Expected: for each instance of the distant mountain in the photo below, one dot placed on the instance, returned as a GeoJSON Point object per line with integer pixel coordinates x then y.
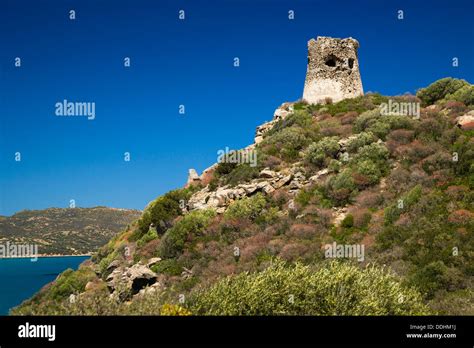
{"type": "Point", "coordinates": [65, 231]}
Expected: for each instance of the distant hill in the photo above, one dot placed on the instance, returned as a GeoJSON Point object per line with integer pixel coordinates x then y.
{"type": "Point", "coordinates": [65, 231]}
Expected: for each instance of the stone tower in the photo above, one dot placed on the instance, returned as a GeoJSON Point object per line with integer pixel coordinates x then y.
{"type": "Point", "coordinates": [333, 70]}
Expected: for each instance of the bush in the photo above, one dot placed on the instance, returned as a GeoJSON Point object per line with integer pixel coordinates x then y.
{"type": "Point", "coordinates": [340, 188]}
{"type": "Point", "coordinates": [174, 239]}
{"type": "Point", "coordinates": [285, 144]}
{"type": "Point", "coordinates": [326, 147]}
{"type": "Point", "coordinates": [162, 211]}
{"type": "Point", "coordinates": [299, 118]}
{"type": "Point", "coordinates": [366, 120]}
{"type": "Point", "coordinates": [358, 104]}
{"type": "Point", "coordinates": [376, 153]}
{"type": "Point", "coordinates": [393, 212]}
{"type": "Point", "coordinates": [369, 170]}
{"type": "Point", "coordinates": [440, 89]}
{"type": "Point", "coordinates": [148, 237]}
{"type": "Point", "coordinates": [240, 174]}
{"type": "Point", "coordinates": [169, 266]}
{"type": "Point", "coordinates": [70, 282]}
{"type": "Point", "coordinates": [362, 139]}
{"type": "Point", "coordinates": [465, 94]}
{"type": "Point", "coordinates": [174, 310]}
{"type": "Point", "coordinates": [348, 221]}
{"type": "Point", "coordinates": [335, 289]}
{"type": "Point", "coordinates": [246, 208]}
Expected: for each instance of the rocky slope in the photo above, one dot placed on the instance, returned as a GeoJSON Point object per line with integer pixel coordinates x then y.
{"type": "Point", "coordinates": [243, 238]}
{"type": "Point", "coordinates": [62, 231]}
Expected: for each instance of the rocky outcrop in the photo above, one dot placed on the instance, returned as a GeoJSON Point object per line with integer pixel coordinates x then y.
{"type": "Point", "coordinates": [280, 113]}
{"type": "Point", "coordinates": [267, 183]}
{"type": "Point", "coordinates": [130, 280]}
{"type": "Point", "coordinates": [193, 177]}
{"type": "Point", "coordinates": [466, 121]}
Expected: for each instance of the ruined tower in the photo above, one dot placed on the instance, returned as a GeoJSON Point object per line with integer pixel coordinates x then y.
{"type": "Point", "coordinates": [333, 70]}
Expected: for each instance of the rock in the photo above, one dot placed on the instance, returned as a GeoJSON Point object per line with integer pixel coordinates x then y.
{"type": "Point", "coordinates": [283, 181]}
{"type": "Point", "coordinates": [340, 215]}
{"type": "Point", "coordinates": [193, 177]}
{"type": "Point", "coordinates": [131, 280]}
{"type": "Point", "coordinates": [258, 139]}
{"type": "Point", "coordinates": [283, 111]}
{"type": "Point", "coordinates": [139, 277]}
{"type": "Point", "coordinates": [113, 265]}
{"type": "Point", "coordinates": [267, 174]}
{"type": "Point", "coordinates": [466, 121]}
{"type": "Point", "coordinates": [268, 189]}
{"type": "Point", "coordinates": [153, 261]}
{"type": "Point", "coordinates": [318, 175]}
{"type": "Point", "coordinates": [150, 290]}
{"type": "Point", "coordinates": [89, 286]}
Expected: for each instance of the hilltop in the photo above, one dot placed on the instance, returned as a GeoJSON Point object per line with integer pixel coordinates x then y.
{"type": "Point", "coordinates": [248, 239]}
{"type": "Point", "coordinates": [63, 231]}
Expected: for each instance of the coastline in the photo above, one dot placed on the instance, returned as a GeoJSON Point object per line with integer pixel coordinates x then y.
{"type": "Point", "coordinates": [45, 256]}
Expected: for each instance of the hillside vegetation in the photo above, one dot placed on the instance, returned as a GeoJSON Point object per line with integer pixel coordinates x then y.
{"type": "Point", "coordinates": [63, 231]}
{"type": "Point", "coordinates": [252, 241]}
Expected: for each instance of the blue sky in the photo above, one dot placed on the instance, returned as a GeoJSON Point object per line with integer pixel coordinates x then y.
{"type": "Point", "coordinates": [186, 62]}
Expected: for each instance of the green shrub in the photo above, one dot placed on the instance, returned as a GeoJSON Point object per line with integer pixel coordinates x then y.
{"type": "Point", "coordinates": [348, 221]}
{"type": "Point", "coordinates": [224, 168]}
{"type": "Point", "coordinates": [326, 147]}
{"type": "Point", "coordinates": [285, 144]}
{"type": "Point", "coordinates": [366, 120]}
{"type": "Point", "coordinates": [162, 211]}
{"type": "Point", "coordinates": [341, 187]}
{"type": "Point", "coordinates": [465, 94]}
{"type": "Point", "coordinates": [241, 174]}
{"type": "Point", "coordinates": [376, 153]}
{"type": "Point", "coordinates": [105, 262]}
{"type": "Point", "coordinates": [299, 118]}
{"type": "Point", "coordinates": [335, 289]}
{"type": "Point", "coordinates": [440, 89]}
{"type": "Point", "coordinates": [369, 170]}
{"type": "Point", "coordinates": [358, 104]}
{"type": "Point", "coordinates": [362, 139]}
{"type": "Point", "coordinates": [246, 208]}
{"type": "Point", "coordinates": [194, 223]}
{"type": "Point", "coordinates": [70, 282]}
{"type": "Point", "coordinates": [393, 212]}
{"type": "Point", "coordinates": [170, 267]}
{"type": "Point", "coordinates": [148, 237]}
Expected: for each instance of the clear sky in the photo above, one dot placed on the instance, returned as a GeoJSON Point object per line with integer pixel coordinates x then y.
{"type": "Point", "coordinates": [186, 62]}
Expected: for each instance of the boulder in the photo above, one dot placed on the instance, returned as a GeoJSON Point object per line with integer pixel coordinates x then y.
{"type": "Point", "coordinates": [193, 177]}
{"type": "Point", "coordinates": [113, 265]}
{"type": "Point", "coordinates": [131, 280]}
{"type": "Point", "coordinates": [140, 276]}
{"type": "Point", "coordinates": [267, 174]}
{"type": "Point", "coordinates": [466, 121]}
{"type": "Point", "coordinates": [153, 261]}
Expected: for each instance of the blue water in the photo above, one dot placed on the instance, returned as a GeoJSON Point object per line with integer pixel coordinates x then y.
{"type": "Point", "coordinates": [21, 278]}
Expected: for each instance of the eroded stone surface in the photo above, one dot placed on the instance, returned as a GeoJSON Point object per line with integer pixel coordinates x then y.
{"type": "Point", "coordinates": [333, 70]}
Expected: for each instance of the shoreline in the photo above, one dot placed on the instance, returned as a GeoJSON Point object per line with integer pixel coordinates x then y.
{"type": "Point", "coordinates": [44, 256]}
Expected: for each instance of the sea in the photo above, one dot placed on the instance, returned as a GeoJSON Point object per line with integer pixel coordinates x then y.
{"type": "Point", "coordinates": [20, 278]}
